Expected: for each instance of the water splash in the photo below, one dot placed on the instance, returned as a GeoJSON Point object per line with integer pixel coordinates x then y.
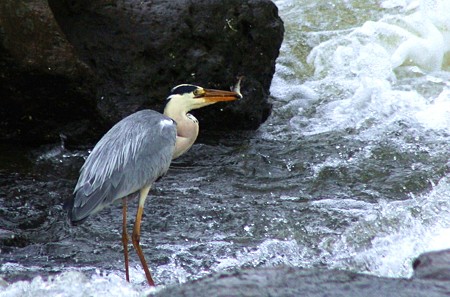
{"type": "Point", "coordinates": [357, 81]}
{"type": "Point", "coordinates": [73, 283]}
{"type": "Point", "coordinates": [384, 85]}
{"type": "Point", "coordinates": [394, 233]}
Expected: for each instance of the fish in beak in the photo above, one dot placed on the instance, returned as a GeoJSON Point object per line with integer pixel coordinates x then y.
{"type": "Point", "coordinates": [213, 96]}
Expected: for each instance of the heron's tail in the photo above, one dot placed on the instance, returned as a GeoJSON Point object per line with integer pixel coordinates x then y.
{"type": "Point", "coordinates": [69, 207]}
{"type": "Point", "coordinates": [86, 201]}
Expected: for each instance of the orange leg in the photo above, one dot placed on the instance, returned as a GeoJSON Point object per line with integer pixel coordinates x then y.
{"type": "Point", "coordinates": [125, 237]}
{"type": "Point", "coordinates": [135, 237]}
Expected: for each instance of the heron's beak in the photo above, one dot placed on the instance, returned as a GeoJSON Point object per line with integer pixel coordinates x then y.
{"type": "Point", "coordinates": [213, 96]}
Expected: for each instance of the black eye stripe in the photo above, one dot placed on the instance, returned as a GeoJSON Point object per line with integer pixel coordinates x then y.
{"type": "Point", "coordinates": [183, 89]}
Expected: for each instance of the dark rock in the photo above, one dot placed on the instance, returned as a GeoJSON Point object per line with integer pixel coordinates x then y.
{"type": "Point", "coordinates": [290, 281]}
{"type": "Point", "coordinates": [78, 66]}
{"type": "Point", "coordinates": [42, 85]}
{"type": "Point", "coordinates": [433, 265]}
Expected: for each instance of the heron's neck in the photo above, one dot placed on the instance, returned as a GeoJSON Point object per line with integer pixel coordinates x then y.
{"type": "Point", "coordinates": [187, 129]}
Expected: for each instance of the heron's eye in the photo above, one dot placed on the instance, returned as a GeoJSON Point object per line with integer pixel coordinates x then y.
{"type": "Point", "coordinates": [198, 92]}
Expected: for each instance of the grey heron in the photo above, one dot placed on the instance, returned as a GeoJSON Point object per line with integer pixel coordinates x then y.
{"type": "Point", "coordinates": [134, 153]}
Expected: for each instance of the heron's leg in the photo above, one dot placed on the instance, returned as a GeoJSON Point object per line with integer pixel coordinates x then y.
{"type": "Point", "coordinates": [125, 237]}
{"type": "Point", "coordinates": [137, 234]}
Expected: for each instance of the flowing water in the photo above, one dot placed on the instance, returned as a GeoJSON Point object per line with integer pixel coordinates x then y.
{"type": "Point", "coordinates": [351, 171]}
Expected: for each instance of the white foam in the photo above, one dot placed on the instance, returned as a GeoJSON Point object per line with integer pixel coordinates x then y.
{"type": "Point", "coordinates": [421, 38]}
{"type": "Point", "coordinates": [355, 84]}
{"type": "Point", "coordinates": [436, 115]}
{"type": "Point", "coordinates": [74, 284]}
{"type": "Point", "coordinates": [271, 252]}
{"type": "Point", "coordinates": [395, 233]}
{"type": "Point", "coordinates": [383, 240]}
{"type": "Point", "coordinates": [405, 4]}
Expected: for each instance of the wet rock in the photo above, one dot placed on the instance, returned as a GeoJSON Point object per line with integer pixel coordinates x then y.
{"type": "Point", "coordinates": [76, 67]}
{"type": "Point", "coordinates": [433, 265]}
{"type": "Point", "coordinates": [290, 281]}
{"type": "Point", "coordinates": [42, 81]}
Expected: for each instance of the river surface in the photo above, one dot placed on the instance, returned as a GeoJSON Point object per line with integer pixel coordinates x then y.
{"type": "Point", "coordinates": [351, 171]}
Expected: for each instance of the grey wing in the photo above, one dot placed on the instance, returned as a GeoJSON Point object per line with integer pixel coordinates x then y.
{"type": "Point", "coordinates": [133, 154]}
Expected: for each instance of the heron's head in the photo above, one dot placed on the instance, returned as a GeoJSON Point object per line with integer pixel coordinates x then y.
{"type": "Point", "coordinates": [188, 97]}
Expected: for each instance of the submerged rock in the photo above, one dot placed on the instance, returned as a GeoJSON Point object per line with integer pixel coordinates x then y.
{"type": "Point", "coordinates": [290, 281]}
{"type": "Point", "coordinates": [76, 67]}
